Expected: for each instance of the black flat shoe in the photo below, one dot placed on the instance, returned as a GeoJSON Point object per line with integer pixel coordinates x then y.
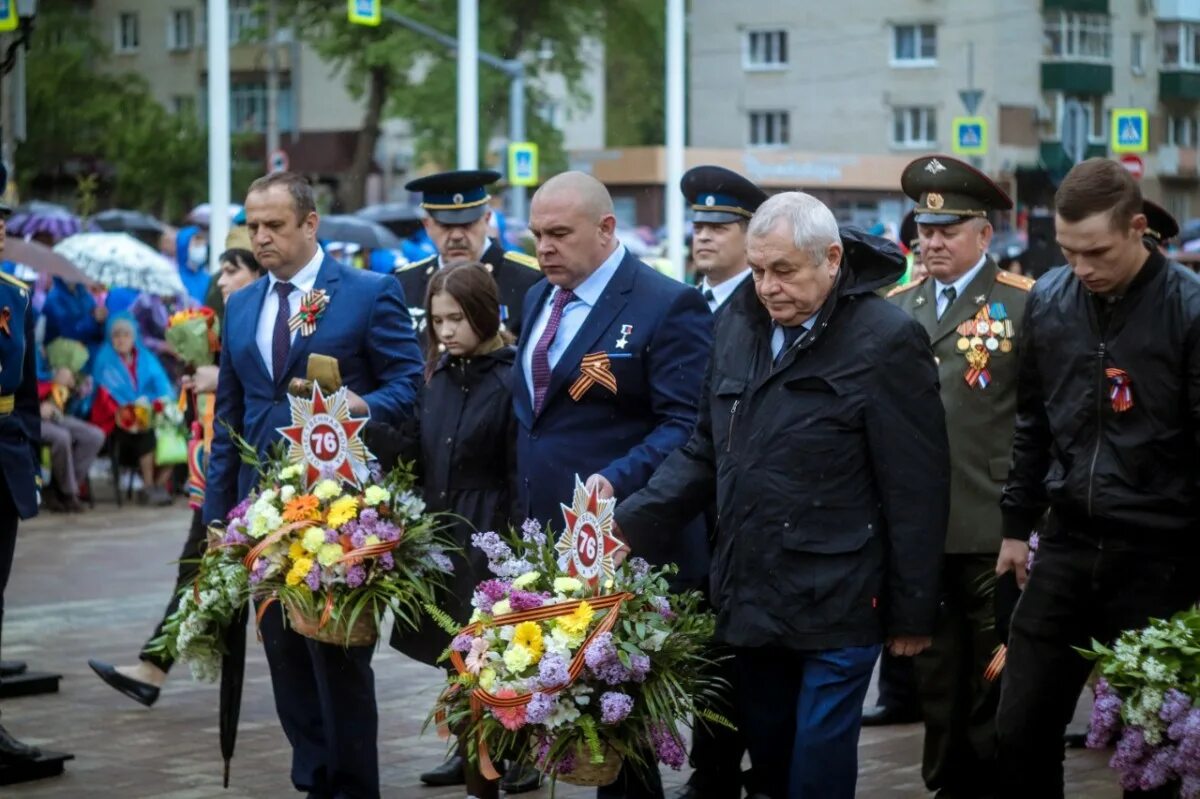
{"type": "Point", "coordinates": [13, 751]}
{"type": "Point", "coordinates": [521, 778]}
{"type": "Point", "coordinates": [449, 773]}
{"type": "Point", "coordinates": [880, 716]}
{"type": "Point", "coordinates": [141, 692]}
{"type": "Point", "coordinates": [11, 668]}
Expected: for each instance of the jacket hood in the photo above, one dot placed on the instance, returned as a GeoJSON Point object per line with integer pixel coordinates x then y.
{"type": "Point", "coordinates": [869, 262]}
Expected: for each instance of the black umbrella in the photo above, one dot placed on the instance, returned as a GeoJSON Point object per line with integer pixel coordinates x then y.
{"type": "Point", "coordinates": [401, 219]}
{"type": "Point", "coordinates": [121, 220]}
{"type": "Point", "coordinates": [233, 672]}
{"type": "Point", "coordinates": [356, 230]}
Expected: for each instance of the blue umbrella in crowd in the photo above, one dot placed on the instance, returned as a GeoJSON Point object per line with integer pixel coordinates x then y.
{"type": "Point", "coordinates": [37, 217]}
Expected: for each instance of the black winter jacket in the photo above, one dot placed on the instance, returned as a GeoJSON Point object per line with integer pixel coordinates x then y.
{"type": "Point", "coordinates": [830, 470]}
{"type": "Point", "coordinates": [1129, 472]}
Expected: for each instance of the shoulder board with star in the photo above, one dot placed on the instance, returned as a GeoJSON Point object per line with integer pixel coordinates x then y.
{"type": "Point", "coordinates": [5, 277]}
{"type": "Point", "coordinates": [909, 286]}
{"type": "Point", "coordinates": [521, 258]}
{"type": "Point", "coordinates": [1016, 281]}
{"type": "Point", "coordinates": [426, 261]}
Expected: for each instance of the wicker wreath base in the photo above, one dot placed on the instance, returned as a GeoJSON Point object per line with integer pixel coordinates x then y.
{"type": "Point", "coordinates": [596, 774]}
{"type": "Point", "coordinates": [365, 631]}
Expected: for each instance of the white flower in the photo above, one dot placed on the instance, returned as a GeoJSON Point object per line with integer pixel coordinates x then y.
{"type": "Point", "coordinates": [375, 495]}
{"type": "Point", "coordinates": [527, 579]}
{"type": "Point", "coordinates": [566, 585]}
{"type": "Point", "coordinates": [290, 472]}
{"type": "Point", "coordinates": [501, 608]}
{"type": "Point", "coordinates": [563, 713]}
{"type": "Point", "coordinates": [286, 493]}
{"type": "Point", "coordinates": [326, 490]}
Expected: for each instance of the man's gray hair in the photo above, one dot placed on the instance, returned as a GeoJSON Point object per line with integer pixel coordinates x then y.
{"type": "Point", "coordinates": [812, 224]}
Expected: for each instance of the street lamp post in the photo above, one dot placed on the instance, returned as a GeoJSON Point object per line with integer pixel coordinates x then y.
{"type": "Point", "coordinates": [218, 128]}
{"type": "Point", "coordinates": [13, 127]}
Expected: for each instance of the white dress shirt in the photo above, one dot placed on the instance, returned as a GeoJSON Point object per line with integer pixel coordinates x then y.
{"type": "Point", "coordinates": [587, 294]}
{"type": "Point", "coordinates": [960, 285]}
{"type": "Point", "coordinates": [724, 290]}
{"type": "Point", "coordinates": [302, 283]}
{"type": "Point", "coordinates": [777, 338]}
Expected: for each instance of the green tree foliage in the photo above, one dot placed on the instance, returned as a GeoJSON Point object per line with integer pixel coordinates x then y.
{"type": "Point", "coordinates": [634, 70]}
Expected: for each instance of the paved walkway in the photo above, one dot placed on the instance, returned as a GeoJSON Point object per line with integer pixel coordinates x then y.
{"type": "Point", "coordinates": [93, 586]}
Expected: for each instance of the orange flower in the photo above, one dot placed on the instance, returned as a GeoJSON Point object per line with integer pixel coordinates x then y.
{"type": "Point", "coordinates": [303, 508]}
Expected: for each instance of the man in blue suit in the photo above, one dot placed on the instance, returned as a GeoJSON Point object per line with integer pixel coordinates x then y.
{"type": "Point", "coordinates": [612, 363]}
{"type": "Point", "coordinates": [325, 695]}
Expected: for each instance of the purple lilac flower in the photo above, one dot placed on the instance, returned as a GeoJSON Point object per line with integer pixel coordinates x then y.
{"type": "Point", "coordinates": [526, 600]}
{"type": "Point", "coordinates": [639, 566]}
{"type": "Point", "coordinates": [386, 531]}
{"type": "Point", "coordinates": [601, 659]}
{"type": "Point", "coordinates": [358, 538]}
{"type": "Point", "coordinates": [492, 545]}
{"type": "Point", "coordinates": [614, 707]}
{"type": "Point", "coordinates": [1190, 788]}
{"type": "Point", "coordinates": [539, 708]}
{"type": "Point", "coordinates": [663, 607]}
{"type": "Point", "coordinates": [1157, 769]}
{"type": "Point", "coordinates": [1034, 540]}
{"type": "Point", "coordinates": [441, 561]}
{"type": "Point", "coordinates": [239, 510]}
{"type": "Point", "coordinates": [234, 536]}
{"type": "Point", "coordinates": [1105, 721]}
{"type": "Point", "coordinates": [355, 576]}
{"type": "Point", "coordinates": [552, 672]}
{"type": "Point", "coordinates": [541, 750]}
{"type": "Point", "coordinates": [639, 667]}
{"type": "Point", "coordinates": [313, 580]}
{"type": "Point", "coordinates": [510, 568]}
{"type": "Point", "coordinates": [387, 562]}
{"type": "Point", "coordinates": [1175, 706]}
{"type": "Point", "coordinates": [667, 746]}
{"type": "Point", "coordinates": [1131, 751]}
{"type": "Point", "coordinates": [532, 532]}
{"type": "Point", "coordinates": [462, 643]}
{"type": "Point", "coordinates": [495, 590]}
{"type": "Point", "coordinates": [1186, 728]}
{"type": "Point", "coordinates": [369, 516]}
{"type": "Point", "coordinates": [259, 571]}
{"type": "Point", "coordinates": [331, 536]}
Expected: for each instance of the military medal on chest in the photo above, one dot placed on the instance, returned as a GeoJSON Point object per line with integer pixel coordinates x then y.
{"type": "Point", "coordinates": [981, 337]}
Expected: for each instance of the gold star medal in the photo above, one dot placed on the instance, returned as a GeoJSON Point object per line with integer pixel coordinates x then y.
{"type": "Point", "coordinates": [325, 438]}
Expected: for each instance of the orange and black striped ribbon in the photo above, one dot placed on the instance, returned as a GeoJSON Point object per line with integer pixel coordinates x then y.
{"type": "Point", "coordinates": [593, 369]}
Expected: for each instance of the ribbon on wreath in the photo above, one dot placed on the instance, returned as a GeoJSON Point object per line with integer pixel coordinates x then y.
{"type": "Point", "coordinates": [480, 697]}
{"type": "Point", "coordinates": [593, 369]}
{"type": "Point", "coordinates": [1121, 392]}
{"type": "Point", "coordinates": [312, 308]}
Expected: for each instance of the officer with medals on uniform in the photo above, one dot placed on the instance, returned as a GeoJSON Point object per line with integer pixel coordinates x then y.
{"type": "Point", "coordinates": [722, 203]}
{"type": "Point", "coordinates": [972, 311]}
{"type": "Point", "coordinates": [20, 426]}
{"type": "Point", "coordinates": [457, 218]}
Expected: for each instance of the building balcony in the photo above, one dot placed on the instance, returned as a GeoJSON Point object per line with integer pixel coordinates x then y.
{"type": "Point", "coordinates": [1178, 84]}
{"type": "Point", "coordinates": [1078, 6]}
{"type": "Point", "coordinates": [1054, 158]}
{"type": "Point", "coordinates": [1177, 162]}
{"type": "Point", "coordinates": [1077, 77]}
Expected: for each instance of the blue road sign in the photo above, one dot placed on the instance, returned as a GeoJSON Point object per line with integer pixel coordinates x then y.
{"type": "Point", "coordinates": [1130, 130]}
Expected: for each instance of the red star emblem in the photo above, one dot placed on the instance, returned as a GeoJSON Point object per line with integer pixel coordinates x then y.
{"type": "Point", "coordinates": [325, 438]}
{"type": "Point", "coordinates": [587, 543]}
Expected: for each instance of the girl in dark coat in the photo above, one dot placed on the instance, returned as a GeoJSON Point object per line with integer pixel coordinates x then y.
{"type": "Point", "coordinates": [462, 439]}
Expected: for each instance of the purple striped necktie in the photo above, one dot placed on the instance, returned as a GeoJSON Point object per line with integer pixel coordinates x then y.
{"type": "Point", "coordinates": [541, 351]}
{"type": "Point", "coordinates": [281, 339]}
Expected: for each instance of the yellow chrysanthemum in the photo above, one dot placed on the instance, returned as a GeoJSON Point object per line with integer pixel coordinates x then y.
{"type": "Point", "coordinates": [296, 551]}
{"type": "Point", "coordinates": [577, 622]}
{"type": "Point", "coordinates": [376, 495]}
{"type": "Point", "coordinates": [342, 511]}
{"type": "Point", "coordinates": [529, 635]}
{"type": "Point", "coordinates": [299, 571]}
{"type": "Point", "coordinates": [329, 554]}
{"type": "Point", "coordinates": [487, 678]}
{"type": "Point", "coordinates": [314, 539]}
{"type": "Point", "coordinates": [326, 490]}
{"type": "Point", "coordinates": [517, 658]}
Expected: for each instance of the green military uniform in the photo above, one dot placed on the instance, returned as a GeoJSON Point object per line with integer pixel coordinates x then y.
{"type": "Point", "coordinates": [976, 343]}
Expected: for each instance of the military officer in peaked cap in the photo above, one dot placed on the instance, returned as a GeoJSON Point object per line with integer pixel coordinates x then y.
{"type": "Point", "coordinates": [457, 217]}
{"type": "Point", "coordinates": [722, 203]}
{"type": "Point", "coordinates": [1161, 227]}
{"type": "Point", "coordinates": [20, 426]}
{"type": "Point", "coordinates": [972, 311]}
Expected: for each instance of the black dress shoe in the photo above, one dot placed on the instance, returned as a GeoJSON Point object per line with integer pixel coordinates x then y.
{"type": "Point", "coordinates": [521, 778]}
{"type": "Point", "coordinates": [13, 751]}
{"type": "Point", "coordinates": [449, 773]}
{"type": "Point", "coordinates": [1075, 740]}
{"type": "Point", "coordinates": [141, 692]}
{"type": "Point", "coordinates": [11, 668]}
{"type": "Point", "coordinates": [880, 716]}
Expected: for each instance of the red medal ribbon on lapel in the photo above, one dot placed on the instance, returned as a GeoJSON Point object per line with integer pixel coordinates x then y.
{"type": "Point", "coordinates": [593, 369]}
{"type": "Point", "coordinates": [1121, 393]}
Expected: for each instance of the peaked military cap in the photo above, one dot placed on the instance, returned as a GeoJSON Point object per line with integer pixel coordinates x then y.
{"type": "Point", "coordinates": [947, 191]}
{"type": "Point", "coordinates": [720, 195]}
{"type": "Point", "coordinates": [455, 198]}
{"type": "Point", "coordinates": [1160, 225]}
{"type": "Point", "coordinates": [908, 231]}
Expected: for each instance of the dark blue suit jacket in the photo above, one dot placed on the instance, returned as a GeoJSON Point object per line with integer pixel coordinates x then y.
{"type": "Point", "coordinates": [366, 326]}
{"type": "Point", "coordinates": [659, 374]}
{"type": "Point", "coordinates": [21, 430]}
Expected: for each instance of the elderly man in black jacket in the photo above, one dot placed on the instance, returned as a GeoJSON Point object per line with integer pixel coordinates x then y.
{"type": "Point", "coordinates": [823, 437]}
{"type": "Point", "coordinates": [1108, 438]}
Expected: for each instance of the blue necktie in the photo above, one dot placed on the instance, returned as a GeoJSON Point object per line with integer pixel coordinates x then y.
{"type": "Point", "coordinates": [790, 334]}
{"type": "Point", "coordinates": [281, 340]}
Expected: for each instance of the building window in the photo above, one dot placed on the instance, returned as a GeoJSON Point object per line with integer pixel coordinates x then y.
{"type": "Point", "coordinates": [765, 50]}
{"type": "Point", "coordinates": [769, 128]}
{"type": "Point", "coordinates": [127, 32]}
{"type": "Point", "coordinates": [1179, 45]}
{"type": "Point", "coordinates": [914, 127]}
{"type": "Point", "coordinates": [1085, 111]}
{"type": "Point", "coordinates": [1079, 37]}
{"type": "Point", "coordinates": [1181, 131]}
{"type": "Point", "coordinates": [914, 45]}
{"type": "Point", "coordinates": [248, 107]}
{"type": "Point", "coordinates": [243, 22]}
{"type": "Point", "coordinates": [180, 30]}
{"type": "Point", "coordinates": [1135, 55]}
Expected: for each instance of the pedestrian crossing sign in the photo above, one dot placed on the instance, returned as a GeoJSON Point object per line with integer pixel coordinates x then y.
{"type": "Point", "coordinates": [970, 136]}
{"type": "Point", "coordinates": [9, 19]}
{"type": "Point", "coordinates": [363, 12]}
{"type": "Point", "coordinates": [522, 164]}
{"type": "Point", "coordinates": [1130, 130]}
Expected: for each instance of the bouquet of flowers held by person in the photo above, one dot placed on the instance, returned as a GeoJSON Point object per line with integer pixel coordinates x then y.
{"type": "Point", "coordinates": [1146, 699]}
{"type": "Point", "coordinates": [335, 552]}
{"type": "Point", "coordinates": [195, 335]}
{"type": "Point", "coordinates": [573, 663]}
